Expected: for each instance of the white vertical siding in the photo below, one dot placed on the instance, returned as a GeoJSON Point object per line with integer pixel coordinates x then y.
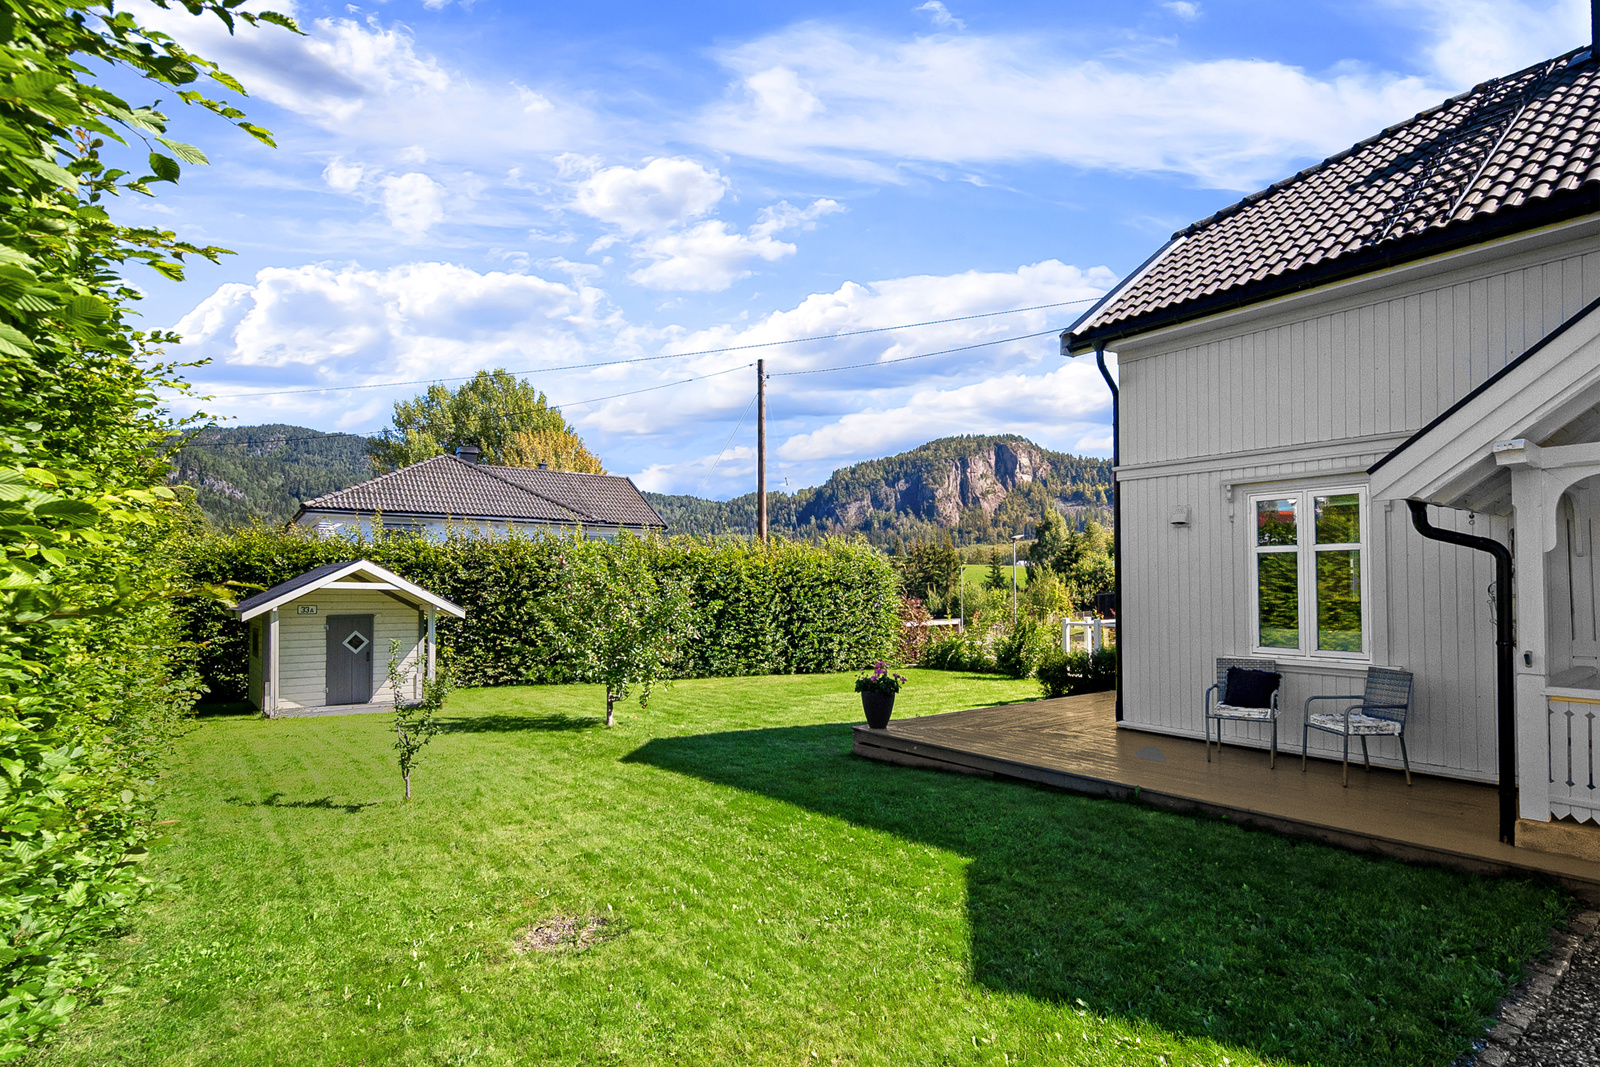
{"type": "Point", "coordinates": [1387, 366]}
{"type": "Point", "coordinates": [1245, 409]}
{"type": "Point", "coordinates": [1187, 601]}
{"type": "Point", "coordinates": [303, 674]}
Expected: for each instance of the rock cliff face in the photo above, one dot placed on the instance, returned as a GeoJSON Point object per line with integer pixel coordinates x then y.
{"type": "Point", "coordinates": [941, 480]}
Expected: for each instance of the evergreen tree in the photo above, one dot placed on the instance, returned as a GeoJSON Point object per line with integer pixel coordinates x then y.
{"type": "Point", "coordinates": [996, 578]}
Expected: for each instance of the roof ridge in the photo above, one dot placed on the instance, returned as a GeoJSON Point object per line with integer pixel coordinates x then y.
{"type": "Point", "coordinates": [489, 470]}
{"type": "Point", "coordinates": [1338, 157]}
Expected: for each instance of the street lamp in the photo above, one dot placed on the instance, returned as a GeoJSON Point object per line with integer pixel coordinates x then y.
{"type": "Point", "coordinates": [1014, 539]}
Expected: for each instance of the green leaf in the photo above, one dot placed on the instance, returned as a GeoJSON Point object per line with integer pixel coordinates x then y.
{"type": "Point", "coordinates": [88, 308]}
{"type": "Point", "coordinates": [186, 152]}
{"type": "Point", "coordinates": [229, 80]}
{"type": "Point", "coordinates": [59, 175]}
{"type": "Point", "coordinates": [259, 133]}
{"type": "Point", "coordinates": [165, 168]}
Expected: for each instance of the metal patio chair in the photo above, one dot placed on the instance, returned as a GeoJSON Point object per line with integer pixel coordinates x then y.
{"type": "Point", "coordinates": [1381, 711]}
{"type": "Point", "coordinates": [1215, 708]}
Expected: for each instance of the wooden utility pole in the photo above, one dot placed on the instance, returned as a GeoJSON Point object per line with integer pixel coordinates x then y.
{"type": "Point", "coordinates": [761, 449]}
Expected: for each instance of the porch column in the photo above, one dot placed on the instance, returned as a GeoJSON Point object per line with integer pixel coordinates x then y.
{"type": "Point", "coordinates": [272, 664]}
{"type": "Point", "coordinates": [1530, 499]}
{"type": "Point", "coordinates": [432, 661]}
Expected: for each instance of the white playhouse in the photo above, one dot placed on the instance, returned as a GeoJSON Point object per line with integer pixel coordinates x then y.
{"type": "Point", "coordinates": [322, 641]}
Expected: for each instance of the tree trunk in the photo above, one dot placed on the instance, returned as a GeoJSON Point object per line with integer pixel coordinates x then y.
{"type": "Point", "coordinates": [611, 700]}
{"type": "Point", "coordinates": [408, 785]}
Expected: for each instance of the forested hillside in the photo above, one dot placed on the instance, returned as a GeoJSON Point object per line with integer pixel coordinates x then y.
{"type": "Point", "coordinates": [242, 473]}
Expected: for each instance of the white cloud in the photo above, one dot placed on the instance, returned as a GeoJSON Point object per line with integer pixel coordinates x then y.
{"type": "Point", "coordinates": [324, 325]}
{"type": "Point", "coordinates": [785, 216]}
{"type": "Point", "coordinates": [659, 195]}
{"type": "Point", "coordinates": [826, 98]}
{"type": "Point", "coordinates": [343, 177]}
{"type": "Point", "coordinates": [327, 325]}
{"type": "Point", "coordinates": [941, 16]}
{"type": "Point", "coordinates": [1474, 40]}
{"type": "Point", "coordinates": [704, 258]}
{"type": "Point", "coordinates": [367, 83]}
{"type": "Point", "coordinates": [665, 477]}
{"type": "Point", "coordinates": [1034, 405]}
{"type": "Point", "coordinates": [413, 203]}
{"type": "Point", "coordinates": [1184, 9]}
{"type": "Point", "coordinates": [856, 306]}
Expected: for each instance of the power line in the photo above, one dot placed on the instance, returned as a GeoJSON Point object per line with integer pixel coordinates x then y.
{"type": "Point", "coordinates": [669, 355]}
{"type": "Point", "coordinates": [906, 359]}
{"type": "Point", "coordinates": [742, 416]}
{"type": "Point", "coordinates": [653, 388]}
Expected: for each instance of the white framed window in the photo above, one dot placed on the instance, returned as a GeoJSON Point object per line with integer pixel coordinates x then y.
{"type": "Point", "coordinates": [1308, 558]}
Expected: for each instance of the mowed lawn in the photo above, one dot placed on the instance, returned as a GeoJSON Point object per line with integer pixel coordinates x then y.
{"type": "Point", "coordinates": [768, 898]}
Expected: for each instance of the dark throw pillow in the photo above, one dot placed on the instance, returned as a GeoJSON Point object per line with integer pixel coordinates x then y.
{"type": "Point", "coordinates": [1250, 689]}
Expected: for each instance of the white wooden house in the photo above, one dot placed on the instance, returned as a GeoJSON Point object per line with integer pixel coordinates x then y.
{"type": "Point", "coordinates": [322, 640]}
{"type": "Point", "coordinates": [1414, 319]}
{"type": "Point", "coordinates": [457, 492]}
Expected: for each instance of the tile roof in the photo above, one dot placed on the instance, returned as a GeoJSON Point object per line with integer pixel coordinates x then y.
{"type": "Point", "coordinates": [1508, 155]}
{"type": "Point", "coordinates": [448, 487]}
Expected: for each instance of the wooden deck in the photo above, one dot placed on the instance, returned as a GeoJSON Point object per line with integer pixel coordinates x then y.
{"type": "Point", "coordinates": [1073, 743]}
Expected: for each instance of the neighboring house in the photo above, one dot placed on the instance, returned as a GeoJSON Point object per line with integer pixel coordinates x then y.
{"type": "Point", "coordinates": [323, 639]}
{"type": "Point", "coordinates": [1413, 319]}
{"type": "Point", "coordinates": [457, 492]}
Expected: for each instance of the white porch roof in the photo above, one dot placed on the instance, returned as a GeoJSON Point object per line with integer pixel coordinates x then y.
{"type": "Point", "coordinates": [1538, 411]}
{"type": "Point", "coordinates": [335, 576]}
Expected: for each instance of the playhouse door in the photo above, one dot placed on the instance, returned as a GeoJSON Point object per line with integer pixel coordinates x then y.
{"type": "Point", "coordinates": [349, 659]}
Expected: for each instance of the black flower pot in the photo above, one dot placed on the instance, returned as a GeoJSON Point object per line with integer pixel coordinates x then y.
{"type": "Point", "coordinates": [878, 706]}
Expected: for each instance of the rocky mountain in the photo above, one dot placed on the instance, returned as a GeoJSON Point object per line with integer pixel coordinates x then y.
{"type": "Point", "coordinates": [980, 489]}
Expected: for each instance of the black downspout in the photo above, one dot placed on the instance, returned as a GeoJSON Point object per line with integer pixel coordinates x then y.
{"type": "Point", "coordinates": [1505, 687]}
{"type": "Point", "coordinates": [1116, 508]}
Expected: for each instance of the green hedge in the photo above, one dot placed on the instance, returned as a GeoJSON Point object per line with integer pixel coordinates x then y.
{"type": "Point", "coordinates": [788, 608]}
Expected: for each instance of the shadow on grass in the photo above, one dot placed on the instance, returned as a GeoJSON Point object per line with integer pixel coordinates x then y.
{"type": "Point", "coordinates": [1295, 950]}
{"type": "Point", "coordinates": [218, 709]}
{"type": "Point", "coordinates": [510, 724]}
{"type": "Point", "coordinates": [276, 800]}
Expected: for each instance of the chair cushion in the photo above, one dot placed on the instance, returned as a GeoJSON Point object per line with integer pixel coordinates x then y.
{"type": "Point", "coordinates": [1228, 711]}
{"type": "Point", "coordinates": [1250, 689]}
{"type": "Point", "coordinates": [1360, 725]}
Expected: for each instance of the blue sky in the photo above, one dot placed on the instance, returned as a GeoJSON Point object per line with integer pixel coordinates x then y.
{"type": "Point", "coordinates": [470, 185]}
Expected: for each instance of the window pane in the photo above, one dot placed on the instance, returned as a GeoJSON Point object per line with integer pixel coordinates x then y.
{"type": "Point", "coordinates": [1279, 588]}
{"type": "Point", "coordinates": [1275, 522]}
{"type": "Point", "coordinates": [1339, 601]}
{"type": "Point", "coordinates": [1338, 519]}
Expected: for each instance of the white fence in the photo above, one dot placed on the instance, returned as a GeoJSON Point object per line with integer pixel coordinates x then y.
{"type": "Point", "coordinates": [1087, 635]}
{"type": "Point", "coordinates": [937, 622]}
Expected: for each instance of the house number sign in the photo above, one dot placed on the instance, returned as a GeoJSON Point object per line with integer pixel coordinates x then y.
{"type": "Point", "coordinates": [306, 609]}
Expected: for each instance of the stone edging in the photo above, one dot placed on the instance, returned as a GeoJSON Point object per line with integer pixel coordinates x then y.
{"type": "Point", "coordinates": [1528, 1001]}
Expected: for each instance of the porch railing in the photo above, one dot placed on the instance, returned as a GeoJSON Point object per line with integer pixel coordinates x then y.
{"type": "Point", "coordinates": [1571, 726]}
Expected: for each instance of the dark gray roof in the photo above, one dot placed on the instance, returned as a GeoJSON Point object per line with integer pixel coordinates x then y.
{"type": "Point", "coordinates": [1509, 155]}
{"type": "Point", "coordinates": [298, 582]}
{"type": "Point", "coordinates": [447, 487]}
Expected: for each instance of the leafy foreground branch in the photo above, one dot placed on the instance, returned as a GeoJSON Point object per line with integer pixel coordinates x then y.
{"type": "Point", "coordinates": [92, 683]}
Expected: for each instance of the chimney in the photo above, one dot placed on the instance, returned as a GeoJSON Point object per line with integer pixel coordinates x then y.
{"type": "Point", "coordinates": [467, 453]}
{"type": "Point", "coordinates": [546, 466]}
